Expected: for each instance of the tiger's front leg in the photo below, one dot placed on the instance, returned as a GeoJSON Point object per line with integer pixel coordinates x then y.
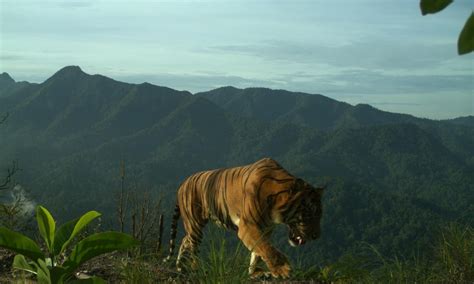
{"type": "Point", "coordinates": [258, 243]}
{"type": "Point", "coordinates": [254, 270]}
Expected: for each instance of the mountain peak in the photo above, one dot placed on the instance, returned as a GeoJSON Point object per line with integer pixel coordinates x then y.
{"type": "Point", "coordinates": [68, 73]}
{"type": "Point", "coordinates": [71, 70]}
{"type": "Point", "coordinates": [5, 78]}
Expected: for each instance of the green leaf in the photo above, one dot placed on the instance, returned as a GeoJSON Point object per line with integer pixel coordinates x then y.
{"type": "Point", "coordinates": [58, 274]}
{"type": "Point", "coordinates": [68, 231]}
{"type": "Point", "coordinates": [466, 38]}
{"type": "Point", "coordinates": [98, 244]}
{"type": "Point", "coordinates": [42, 270]}
{"type": "Point", "coordinates": [20, 244]}
{"type": "Point", "coordinates": [19, 262]}
{"type": "Point", "coordinates": [433, 6]}
{"type": "Point", "coordinates": [46, 226]}
{"type": "Point", "coordinates": [44, 276]}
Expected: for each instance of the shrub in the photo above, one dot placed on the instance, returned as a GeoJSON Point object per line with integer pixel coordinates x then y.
{"type": "Point", "coordinates": [53, 266]}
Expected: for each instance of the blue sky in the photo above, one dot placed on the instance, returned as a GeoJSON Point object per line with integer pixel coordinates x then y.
{"type": "Point", "coordinates": [379, 52]}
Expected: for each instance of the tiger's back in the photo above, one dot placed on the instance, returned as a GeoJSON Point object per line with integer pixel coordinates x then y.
{"type": "Point", "coordinates": [220, 194]}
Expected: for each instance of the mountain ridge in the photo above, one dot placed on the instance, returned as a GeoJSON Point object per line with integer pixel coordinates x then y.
{"type": "Point", "coordinates": [229, 91]}
{"type": "Point", "coordinates": [71, 132]}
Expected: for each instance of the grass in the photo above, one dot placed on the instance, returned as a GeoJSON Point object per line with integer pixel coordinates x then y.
{"type": "Point", "coordinates": [451, 261]}
{"type": "Point", "coordinates": [221, 262]}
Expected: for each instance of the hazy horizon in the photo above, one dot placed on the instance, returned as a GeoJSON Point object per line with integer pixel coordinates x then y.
{"type": "Point", "coordinates": [382, 53]}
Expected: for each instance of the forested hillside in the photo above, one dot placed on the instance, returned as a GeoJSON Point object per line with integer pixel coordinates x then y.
{"type": "Point", "coordinates": [392, 179]}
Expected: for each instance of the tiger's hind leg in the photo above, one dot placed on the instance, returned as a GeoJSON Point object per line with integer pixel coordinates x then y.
{"type": "Point", "coordinates": [189, 249]}
{"type": "Point", "coordinates": [187, 254]}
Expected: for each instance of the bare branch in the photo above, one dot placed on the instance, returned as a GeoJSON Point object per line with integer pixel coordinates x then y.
{"type": "Point", "coordinates": [10, 173]}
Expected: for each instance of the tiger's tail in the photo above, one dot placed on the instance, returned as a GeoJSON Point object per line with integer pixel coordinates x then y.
{"type": "Point", "coordinates": [174, 230]}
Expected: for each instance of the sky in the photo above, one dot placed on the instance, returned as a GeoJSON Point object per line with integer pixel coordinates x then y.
{"type": "Point", "coordinates": [379, 52]}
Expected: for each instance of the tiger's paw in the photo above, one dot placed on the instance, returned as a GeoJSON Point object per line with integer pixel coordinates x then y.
{"type": "Point", "coordinates": [259, 273]}
{"type": "Point", "coordinates": [281, 271]}
{"type": "Point", "coordinates": [279, 266]}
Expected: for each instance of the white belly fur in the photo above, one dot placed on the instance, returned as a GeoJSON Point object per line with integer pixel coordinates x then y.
{"type": "Point", "coordinates": [235, 220]}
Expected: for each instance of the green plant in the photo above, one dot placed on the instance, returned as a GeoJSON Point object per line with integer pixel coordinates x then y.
{"type": "Point", "coordinates": [54, 266]}
{"type": "Point", "coordinates": [466, 37]}
{"type": "Point", "coordinates": [455, 253]}
{"type": "Point", "coordinates": [221, 261]}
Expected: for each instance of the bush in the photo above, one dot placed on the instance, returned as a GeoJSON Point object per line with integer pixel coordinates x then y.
{"type": "Point", "coordinates": [54, 266]}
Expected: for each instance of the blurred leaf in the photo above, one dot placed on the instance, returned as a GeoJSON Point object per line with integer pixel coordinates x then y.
{"type": "Point", "coordinates": [43, 273]}
{"type": "Point", "coordinates": [46, 225]}
{"type": "Point", "coordinates": [98, 244]}
{"type": "Point", "coordinates": [19, 262]}
{"type": "Point", "coordinates": [58, 274]}
{"type": "Point", "coordinates": [68, 231]}
{"type": "Point", "coordinates": [20, 244]}
{"type": "Point", "coordinates": [466, 38]}
{"type": "Point", "coordinates": [433, 6]}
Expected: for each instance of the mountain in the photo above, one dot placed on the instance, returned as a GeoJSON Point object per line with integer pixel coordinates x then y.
{"type": "Point", "coordinates": [392, 178]}
{"type": "Point", "coordinates": [315, 111]}
{"type": "Point", "coordinates": [6, 80]}
{"type": "Point", "coordinates": [465, 120]}
{"type": "Point", "coordinates": [278, 105]}
{"type": "Point", "coordinates": [8, 85]}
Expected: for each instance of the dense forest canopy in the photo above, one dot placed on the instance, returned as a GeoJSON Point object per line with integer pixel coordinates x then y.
{"type": "Point", "coordinates": [392, 179]}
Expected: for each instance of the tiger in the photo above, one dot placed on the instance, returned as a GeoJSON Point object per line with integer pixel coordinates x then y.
{"type": "Point", "coordinates": [250, 200]}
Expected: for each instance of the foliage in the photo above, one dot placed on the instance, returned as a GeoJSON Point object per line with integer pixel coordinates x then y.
{"type": "Point", "coordinates": [433, 6]}
{"type": "Point", "coordinates": [391, 178]}
{"type": "Point", "coordinates": [221, 263]}
{"type": "Point", "coordinates": [455, 251]}
{"type": "Point", "coordinates": [54, 266]}
{"type": "Point", "coordinates": [139, 213]}
{"type": "Point", "coordinates": [16, 210]}
{"type": "Point", "coordinates": [450, 260]}
{"type": "Point", "coordinates": [466, 37]}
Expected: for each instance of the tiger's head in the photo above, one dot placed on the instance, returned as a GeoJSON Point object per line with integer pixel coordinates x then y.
{"type": "Point", "coordinates": [301, 210]}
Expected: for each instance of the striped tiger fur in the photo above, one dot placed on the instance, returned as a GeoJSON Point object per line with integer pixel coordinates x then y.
{"type": "Point", "coordinates": [250, 200]}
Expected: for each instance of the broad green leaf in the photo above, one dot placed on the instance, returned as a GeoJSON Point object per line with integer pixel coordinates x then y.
{"type": "Point", "coordinates": [46, 226]}
{"type": "Point", "coordinates": [19, 262]}
{"type": "Point", "coordinates": [20, 244]}
{"type": "Point", "coordinates": [466, 38]}
{"type": "Point", "coordinates": [68, 231]}
{"type": "Point", "coordinates": [58, 274]}
{"type": "Point", "coordinates": [433, 6]}
{"type": "Point", "coordinates": [98, 244]}
{"type": "Point", "coordinates": [92, 280]}
{"type": "Point", "coordinates": [42, 270]}
{"type": "Point", "coordinates": [43, 277]}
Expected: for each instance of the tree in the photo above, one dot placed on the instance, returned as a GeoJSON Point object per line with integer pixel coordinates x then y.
{"type": "Point", "coordinates": [11, 171]}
